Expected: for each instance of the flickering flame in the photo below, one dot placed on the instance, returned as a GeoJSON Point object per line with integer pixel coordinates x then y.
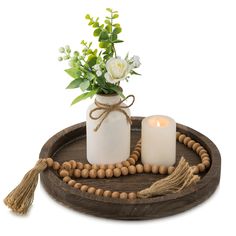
{"type": "Point", "coordinates": [158, 124]}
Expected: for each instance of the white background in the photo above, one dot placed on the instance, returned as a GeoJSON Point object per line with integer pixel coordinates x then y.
{"type": "Point", "coordinates": [188, 54]}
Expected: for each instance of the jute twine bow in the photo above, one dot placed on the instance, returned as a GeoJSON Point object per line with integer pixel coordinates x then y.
{"type": "Point", "coordinates": [106, 108]}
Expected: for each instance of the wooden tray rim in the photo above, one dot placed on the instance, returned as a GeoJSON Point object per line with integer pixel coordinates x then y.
{"type": "Point", "coordinates": [214, 168]}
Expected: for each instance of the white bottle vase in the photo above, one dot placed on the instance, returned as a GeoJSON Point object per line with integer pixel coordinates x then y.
{"type": "Point", "coordinates": [110, 144]}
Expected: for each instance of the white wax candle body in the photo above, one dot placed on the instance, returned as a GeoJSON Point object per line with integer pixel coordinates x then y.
{"type": "Point", "coordinates": [159, 140]}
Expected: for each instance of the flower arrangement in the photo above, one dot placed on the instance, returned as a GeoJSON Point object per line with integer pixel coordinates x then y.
{"type": "Point", "coordinates": [99, 71]}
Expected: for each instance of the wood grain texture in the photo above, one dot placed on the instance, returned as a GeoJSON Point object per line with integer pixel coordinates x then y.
{"type": "Point", "coordinates": [70, 144]}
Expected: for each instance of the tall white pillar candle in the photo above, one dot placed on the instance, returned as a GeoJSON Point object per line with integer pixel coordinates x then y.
{"type": "Point", "coordinates": [158, 140]}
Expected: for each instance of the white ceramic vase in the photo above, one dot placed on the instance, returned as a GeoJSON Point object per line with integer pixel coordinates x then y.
{"type": "Point", "coordinates": [110, 144]}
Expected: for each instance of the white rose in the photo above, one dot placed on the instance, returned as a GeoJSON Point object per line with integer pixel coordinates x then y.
{"type": "Point", "coordinates": [117, 69]}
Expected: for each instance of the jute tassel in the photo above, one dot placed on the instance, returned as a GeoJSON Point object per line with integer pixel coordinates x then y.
{"type": "Point", "coordinates": [181, 178]}
{"type": "Point", "coordinates": [20, 199]}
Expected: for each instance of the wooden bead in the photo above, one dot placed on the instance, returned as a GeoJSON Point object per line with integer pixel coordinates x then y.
{"type": "Point", "coordinates": [103, 166]}
{"type": "Point", "coordinates": [204, 155]}
{"type": "Point", "coordinates": [123, 195]}
{"type": "Point", "coordinates": [56, 165]}
{"type": "Point", "coordinates": [85, 173]}
{"type": "Point", "coordinates": [77, 173]}
{"type": "Point", "coordinates": [190, 143]}
{"type": "Point", "coordinates": [80, 165]}
{"type": "Point", "coordinates": [107, 193]}
{"type": "Point", "coordinates": [49, 162]}
{"type": "Point", "coordinates": [186, 140]}
{"type": "Point", "coordinates": [73, 164]}
{"type": "Point", "coordinates": [135, 157]}
{"type": "Point", "coordinates": [115, 194]}
{"type": "Point", "coordinates": [138, 149]}
{"type": "Point", "coordinates": [131, 161]}
{"type": "Point", "coordinates": [66, 165]}
{"type": "Point", "coordinates": [95, 166]}
{"type": "Point", "coordinates": [84, 188]}
{"type": "Point", "coordinates": [181, 138]}
{"type": "Point", "coordinates": [201, 167]}
{"type": "Point", "coordinates": [77, 185]}
{"type": "Point", "coordinates": [111, 166]}
{"type": "Point", "coordinates": [124, 170]}
{"type": "Point", "coordinates": [125, 163]}
{"type": "Point", "coordinates": [92, 174]}
{"type": "Point", "coordinates": [99, 192]}
{"type": "Point", "coordinates": [136, 153]}
{"type": "Point", "coordinates": [109, 173]}
{"type": "Point", "coordinates": [155, 169]}
{"type": "Point", "coordinates": [71, 171]}
{"type": "Point", "coordinates": [66, 179]}
{"type": "Point", "coordinates": [206, 163]}
{"type": "Point", "coordinates": [139, 168]}
{"type": "Point", "coordinates": [206, 159]}
{"type": "Point", "coordinates": [171, 169]}
{"type": "Point", "coordinates": [195, 170]}
{"type": "Point", "coordinates": [64, 173]}
{"type": "Point", "coordinates": [132, 169]}
{"type": "Point", "coordinates": [147, 168]}
{"type": "Point", "coordinates": [117, 172]}
{"type": "Point", "coordinates": [71, 182]}
{"type": "Point", "coordinates": [132, 196]}
{"type": "Point", "coordinates": [199, 149]}
{"type": "Point", "coordinates": [202, 152]}
{"type": "Point", "coordinates": [87, 166]}
{"type": "Point", "coordinates": [195, 146]}
{"type": "Point", "coordinates": [163, 170]}
{"type": "Point", "coordinates": [91, 190]}
{"type": "Point", "coordinates": [177, 135]}
{"type": "Point", "coordinates": [101, 173]}
{"type": "Point", "coordinates": [119, 165]}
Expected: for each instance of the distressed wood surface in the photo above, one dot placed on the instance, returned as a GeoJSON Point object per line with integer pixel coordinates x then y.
{"type": "Point", "coordinates": [70, 144]}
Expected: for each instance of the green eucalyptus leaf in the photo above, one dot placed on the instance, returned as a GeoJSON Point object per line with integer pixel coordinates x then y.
{"type": "Point", "coordinates": [109, 28]}
{"type": "Point", "coordinates": [95, 24]}
{"type": "Point", "coordinates": [109, 10]}
{"type": "Point", "coordinates": [108, 22]}
{"type": "Point", "coordinates": [117, 30]}
{"type": "Point", "coordinates": [73, 72]}
{"type": "Point", "coordinates": [87, 17]}
{"type": "Point", "coordinates": [113, 37]}
{"type": "Point", "coordinates": [97, 32]}
{"type": "Point", "coordinates": [103, 36]}
{"type": "Point", "coordinates": [74, 84]}
{"type": "Point", "coordinates": [84, 96]}
{"type": "Point", "coordinates": [104, 44]}
{"type": "Point", "coordinates": [115, 16]}
{"type": "Point", "coordinates": [84, 85]}
{"type": "Point", "coordinates": [92, 60]}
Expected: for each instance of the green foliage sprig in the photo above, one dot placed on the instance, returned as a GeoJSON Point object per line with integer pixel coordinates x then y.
{"type": "Point", "coordinates": [99, 71]}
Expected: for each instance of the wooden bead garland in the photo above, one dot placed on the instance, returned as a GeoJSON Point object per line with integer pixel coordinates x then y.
{"type": "Point", "coordinates": [71, 168]}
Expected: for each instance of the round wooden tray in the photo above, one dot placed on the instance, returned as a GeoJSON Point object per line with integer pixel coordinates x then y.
{"type": "Point", "coordinates": [70, 144]}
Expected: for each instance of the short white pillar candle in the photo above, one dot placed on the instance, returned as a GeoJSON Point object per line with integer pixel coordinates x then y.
{"type": "Point", "coordinates": [158, 140]}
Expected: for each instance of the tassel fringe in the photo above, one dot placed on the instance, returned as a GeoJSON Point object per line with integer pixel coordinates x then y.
{"type": "Point", "coordinates": [21, 198]}
{"type": "Point", "coordinates": [181, 178]}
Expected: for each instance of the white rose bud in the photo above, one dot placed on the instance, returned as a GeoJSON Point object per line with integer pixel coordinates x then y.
{"type": "Point", "coordinates": [136, 61]}
{"type": "Point", "coordinates": [117, 69]}
{"type": "Point", "coordinates": [98, 73]}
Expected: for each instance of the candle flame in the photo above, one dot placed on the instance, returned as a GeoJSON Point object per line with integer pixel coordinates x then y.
{"type": "Point", "coordinates": [158, 124]}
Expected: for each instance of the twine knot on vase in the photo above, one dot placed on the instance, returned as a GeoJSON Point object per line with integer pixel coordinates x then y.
{"type": "Point", "coordinates": [107, 108]}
